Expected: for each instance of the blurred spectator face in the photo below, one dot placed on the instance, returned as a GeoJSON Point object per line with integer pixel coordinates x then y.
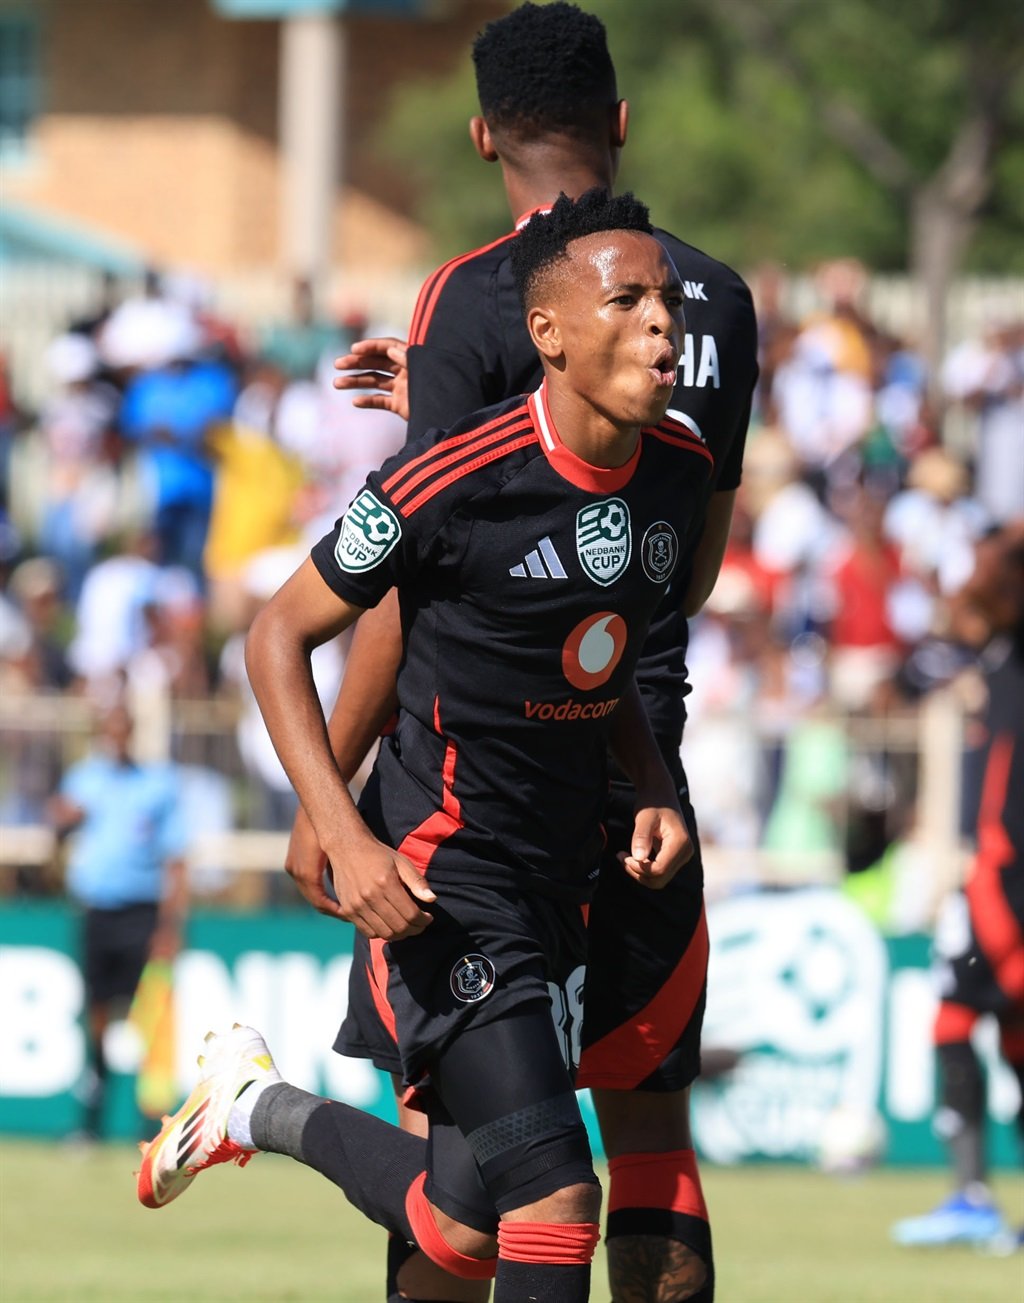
{"type": "Point", "coordinates": [114, 730]}
{"type": "Point", "coordinates": [36, 585]}
{"type": "Point", "coordinates": [841, 283]}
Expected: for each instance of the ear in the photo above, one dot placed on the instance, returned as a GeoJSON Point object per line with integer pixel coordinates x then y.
{"type": "Point", "coordinates": [620, 123]}
{"type": "Point", "coordinates": [480, 135]}
{"type": "Point", "coordinates": [545, 332]}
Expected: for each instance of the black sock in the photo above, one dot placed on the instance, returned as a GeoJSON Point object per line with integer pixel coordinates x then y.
{"type": "Point", "coordinates": [399, 1253]}
{"type": "Point", "coordinates": [525, 1282]}
{"type": "Point", "coordinates": [961, 1119]}
{"type": "Point", "coordinates": [373, 1162]}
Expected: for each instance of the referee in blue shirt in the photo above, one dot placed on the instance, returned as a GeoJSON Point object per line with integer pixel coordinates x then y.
{"type": "Point", "coordinates": [126, 872]}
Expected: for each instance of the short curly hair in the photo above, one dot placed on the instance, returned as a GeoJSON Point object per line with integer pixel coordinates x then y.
{"type": "Point", "coordinates": [544, 239]}
{"type": "Point", "coordinates": [544, 69]}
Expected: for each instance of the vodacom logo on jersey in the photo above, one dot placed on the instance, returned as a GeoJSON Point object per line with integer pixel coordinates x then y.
{"type": "Point", "coordinates": [589, 657]}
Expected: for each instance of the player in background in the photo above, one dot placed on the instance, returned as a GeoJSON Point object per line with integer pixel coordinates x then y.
{"type": "Point", "coordinates": [979, 938]}
{"type": "Point", "coordinates": [487, 797]}
{"type": "Point", "coordinates": [551, 118]}
{"type": "Point", "coordinates": [127, 875]}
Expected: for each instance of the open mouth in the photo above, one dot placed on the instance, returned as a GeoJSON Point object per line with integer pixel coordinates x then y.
{"type": "Point", "coordinates": [663, 368]}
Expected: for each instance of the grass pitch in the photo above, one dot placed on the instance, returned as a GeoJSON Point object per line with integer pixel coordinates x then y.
{"type": "Point", "coordinates": [70, 1229]}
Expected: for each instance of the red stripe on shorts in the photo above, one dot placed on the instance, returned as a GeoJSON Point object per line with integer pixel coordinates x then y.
{"type": "Point", "coordinates": [625, 1056]}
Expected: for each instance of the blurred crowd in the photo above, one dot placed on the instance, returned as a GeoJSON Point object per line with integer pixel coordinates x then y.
{"type": "Point", "coordinates": [180, 468]}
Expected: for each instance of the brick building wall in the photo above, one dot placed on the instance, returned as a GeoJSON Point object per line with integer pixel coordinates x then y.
{"type": "Point", "coordinates": [160, 129]}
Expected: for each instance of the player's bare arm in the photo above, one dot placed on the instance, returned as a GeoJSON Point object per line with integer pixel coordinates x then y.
{"type": "Point", "coordinates": [366, 700]}
{"type": "Point", "coordinates": [377, 371]}
{"type": "Point", "coordinates": [166, 940]}
{"type": "Point", "coordinates": [378, 889]}
{"type": "Point", "coordinates": [707, 561]}
{"type": "Point", "coordinates": [661, 843]}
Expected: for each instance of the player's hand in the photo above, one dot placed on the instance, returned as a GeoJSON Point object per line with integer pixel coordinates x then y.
{"type": "Point", "coordinates": [305, 862]}
{"type": "Point", "coordinates": [660, 847]}
{"type": "Point", "coordinates": [379, 890]}
{"type": "Point", "coordinates": [379, 374]}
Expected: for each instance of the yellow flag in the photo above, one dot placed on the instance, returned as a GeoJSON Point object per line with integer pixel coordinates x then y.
{"type": "Point", "coordinates": [152, 1016]}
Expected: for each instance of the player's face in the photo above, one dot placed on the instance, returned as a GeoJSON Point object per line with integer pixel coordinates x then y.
{"type": "Point", "coordinates": [620, 314]}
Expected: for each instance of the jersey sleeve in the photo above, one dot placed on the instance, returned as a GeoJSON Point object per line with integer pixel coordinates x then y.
{"type": "Point", "coordinates": [732, 467]}
{"type": "Point", "coordinates": [444, 386]}
{"type": "Point", "coordinates": [457, 352]}
{"type": "Point", "coordinates": [744, 347]}
{"type": "Point", "coordinates": [374, 546]}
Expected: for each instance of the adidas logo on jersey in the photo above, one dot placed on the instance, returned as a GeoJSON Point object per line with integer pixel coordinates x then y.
{"type": "Point", "coordinates": [541, 563]}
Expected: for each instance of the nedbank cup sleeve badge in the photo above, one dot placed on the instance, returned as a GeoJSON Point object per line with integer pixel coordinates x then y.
{"type": "Point", "coordinates": [603, 539]}
{"type": "Point", "coordinates": [368, 532]}
{"type": "Point", "coordinates": [659, 551]}
{"type": "Point", "coordinates": [472, 978]}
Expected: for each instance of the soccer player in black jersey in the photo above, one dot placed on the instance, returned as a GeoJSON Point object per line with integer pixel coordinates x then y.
{"type": "Point", "coordinates": [979, 939]}
{"type": "Point", "coordinates": [552, 120]}
{"type": "Point", "coordinates": [511, 690]}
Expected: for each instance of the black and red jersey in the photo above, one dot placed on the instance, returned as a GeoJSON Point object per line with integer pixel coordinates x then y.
{"type": "Point", "coordinates": [469, 348]}
{"type": "Point", "coordinates": [527, 579]}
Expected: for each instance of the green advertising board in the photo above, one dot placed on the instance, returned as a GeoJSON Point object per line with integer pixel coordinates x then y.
{"type": "Point", "coordinates": [827, 1017]}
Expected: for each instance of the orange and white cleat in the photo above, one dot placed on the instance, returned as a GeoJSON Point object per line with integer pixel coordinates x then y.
{"type": "Point", "coordinates": [196, 1137]}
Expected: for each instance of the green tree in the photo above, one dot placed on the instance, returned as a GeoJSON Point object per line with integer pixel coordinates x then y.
{"type": "Point", "coordinates": [789, 129]}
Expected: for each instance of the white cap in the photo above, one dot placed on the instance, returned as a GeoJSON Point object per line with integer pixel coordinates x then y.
{"type": "Point", "coordinates": [71, 358]}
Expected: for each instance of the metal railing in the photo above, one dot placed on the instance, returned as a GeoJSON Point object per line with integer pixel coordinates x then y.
{"type": "Point", "coordinates": [919, 751]}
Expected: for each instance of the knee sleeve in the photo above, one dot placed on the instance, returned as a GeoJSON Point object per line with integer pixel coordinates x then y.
{"type": "Point", "coordinates": [660, 1194]}
{"type": "Point", "coordinates": [433, 1243]}
{"type": "Point", "coordinates": [963, 1088]}
{"type": "Point", "coordinates": [557, 1244]}
{"type": "Point", "coordinates": [529, 1154]}
{"type": "Point", "coordinates": [524, 1129]}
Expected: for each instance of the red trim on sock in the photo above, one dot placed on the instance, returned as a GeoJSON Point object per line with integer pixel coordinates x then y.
{"type": "Point", "coordinates": [559, 1244]}
{"type": "Point", "coordinates": [953, 1022]}
{"type": "Point", "coordinates": [670, 1181]}
{"type": "Point", "coordinates": [433, 1243]}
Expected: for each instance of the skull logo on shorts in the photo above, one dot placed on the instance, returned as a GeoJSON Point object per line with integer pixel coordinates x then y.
{"type": "Point", "coordinates": [472, 978]}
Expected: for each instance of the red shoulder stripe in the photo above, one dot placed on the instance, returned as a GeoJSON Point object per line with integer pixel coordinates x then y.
{"type": "Point", "coordinates": [445, 445]}
{"type": "Point", "coordinates": [678, 427]}
{"type": "Point", "coordinates": [495, 439]}
{"type": "Point", "coordinates": [494, 454]}
{"type": "Point", "coordinates": [432, 287]}
{"type": "Point", "coordinates": [691, 444]}
{"type": "Point", "coordinates": [421, 302]}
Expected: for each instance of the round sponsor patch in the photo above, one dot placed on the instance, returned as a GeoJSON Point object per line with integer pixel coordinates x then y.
{"type": "Point", "coordinates": [593, 649]}
{"type": "Point", "coordinates": [368, 532]}
{"type": "Point", "coordinates": [659, 551]}
{"type": "Point", "coordinates": [603, 540]}
{"type": "Point", "coordinates": [472, 978]}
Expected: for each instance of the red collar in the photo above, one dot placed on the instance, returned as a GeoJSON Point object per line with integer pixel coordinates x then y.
{"type": "Point", "coordinates": [594, 479]}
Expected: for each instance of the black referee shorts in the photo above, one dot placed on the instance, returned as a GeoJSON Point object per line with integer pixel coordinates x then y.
{"type": "Point", "coordinates": [115, 948]}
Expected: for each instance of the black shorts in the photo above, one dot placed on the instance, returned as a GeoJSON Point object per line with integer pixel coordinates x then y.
{"type": "Point", "coordinates": [115, 948]}
{"type": "Point", "coordinates": [979, 954]}
{"type": "Point", "coordinates": [488, 951]}
{"type": "Point", "coordinates": [647, 963]}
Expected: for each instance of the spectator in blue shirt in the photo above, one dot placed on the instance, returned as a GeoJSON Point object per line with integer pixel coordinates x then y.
{"type": "Point", "coordinates": [126, 873]}
{"type": "Point", "coordinates": [169, 412]}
